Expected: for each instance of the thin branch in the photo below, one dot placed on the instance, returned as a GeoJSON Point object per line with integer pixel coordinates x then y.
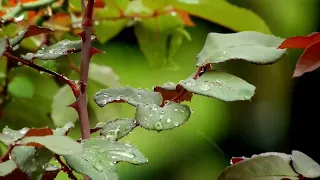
{"type": "Point", "coordinates": [65, 168]}
{"type": "Point", "coordinates": [42, 69]}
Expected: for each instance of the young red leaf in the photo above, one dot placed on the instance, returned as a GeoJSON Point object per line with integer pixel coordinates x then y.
{"type": "Point", "coordinates": [308, 61]}
{"type": "Point", "coordinates": [98, 4]}
{"type": "Point", "coordinates": [39, 132]}
{"type": "Point", "coordinates": [185, 17]}
{"type": "Point", "coordinates": [168, 95]}
{"type": "Point", "coordinates": [300, 41]}
{"type": "Point", "coordinates": [235, 160]}
{"type": "Point", "coordinates": [35, 30]}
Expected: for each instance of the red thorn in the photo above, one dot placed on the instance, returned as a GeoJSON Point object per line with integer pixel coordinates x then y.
{"type": "Point", "coordinates": [74, 87]}
{"type": "Point", "coordinates": [83, 86]}
{"type": "Point", "coordinates": [82, 34]}
{"type": "Point", "coordinates": [94, 51]}
{"type": "Point", "coordinates": [74, 106]}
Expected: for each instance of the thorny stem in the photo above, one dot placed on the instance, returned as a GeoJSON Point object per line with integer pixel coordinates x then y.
{"type": "Point", "coordinates": [65, 168]}
{"type": "Point", "coordinates": [87, 11]}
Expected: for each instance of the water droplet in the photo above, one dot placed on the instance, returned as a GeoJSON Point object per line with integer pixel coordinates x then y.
{"type": "Point", "coordinates": [166, 102]}
{"type": "Point", "coordinates": [169, 84]}
{"type": "Point", "coordinates": [204, 87]}
{"type": "Point", "coordinates": [41, 72]}
{"type": "Point", "coordinates": [161, 116]}
{"type": "Point", "coordinates": [168, 120]}
{"type": "Point", "coordinates": [121, 153]}
{"type": "Point", "coordinates": [191, 82]}
{"type": "Point", "coordinates": [176, 123]}
{"type": "Point", "coordinates": [98, 166]}
{"type": "Point", "coordinates": [19, 63]}
{"type": "Point", "coordinates": [158, 126]}
{"type": "Point", "coordinates": [19, 18]}
{"type": "Point", "coordinates": [150, 115]}
{"type": "Point", "coordinates": [175, 110]}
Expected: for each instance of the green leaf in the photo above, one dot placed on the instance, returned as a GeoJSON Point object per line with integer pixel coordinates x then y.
{"type": "Point", "coordinates": [116, 151]}
{"type": "Point", "coordinates": [127, 94]}
{"type": "Point", "coordinates": [32, 161]}
{"type": "Point", "coordinates": [251, 46]}
{"type": "Point", "coordinates": [220, 85]}
{"type": "Point", "coordinates": [224, 13]}
{"type": "Point", "coordinates": [61, 114]}
{"type": "Point", "coordinates": [304, 165]}
{"type": "Point", "coordinates": [176, 40]}
{"type": "Point", "coordinates": [62, 145]}
{"type": "Point", "coordinates": [3, 46]}
{"type": "Point", "coordinates": [7, 167]}
{"type": "Point", "coordinates": [114, 28]}
{"type": "Point", "coordinates": [55, 51]}
{"type": "Point", "coordinates": [94, 163]}
{"type": "Point", "coordinates": [112, 9]}
{"type": "Point", "coordinates": [9, 136]}
{"type": "Point", "coordinates": [153, 117]}
{"type": "Point", "coordinates": [117, 129]}
{"type": "Point", "coordinates": [270, 167]}
{"type": "Point", "coordinates": [101, 77]}
{"type": "Point", "coordinates": [21, 87]}
{"type": "Point", "coordinates": [153, 35]}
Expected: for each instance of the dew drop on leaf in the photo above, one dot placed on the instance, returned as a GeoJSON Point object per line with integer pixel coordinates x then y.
{"type": "Point", "coordinates": [204, 87]}
{"type": "Point", "coordinates": [158, 126]}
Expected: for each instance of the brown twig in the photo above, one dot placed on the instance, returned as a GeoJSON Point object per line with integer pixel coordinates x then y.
{"type": "Point", "coordinates": [65, 168]}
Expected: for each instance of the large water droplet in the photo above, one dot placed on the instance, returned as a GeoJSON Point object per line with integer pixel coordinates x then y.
{"type": "Point", "coordinates": [158, 126]}
{"type": "Point", "coordinates": [204, 87]}
{"type": "Point", "coordinates": [168, 120]}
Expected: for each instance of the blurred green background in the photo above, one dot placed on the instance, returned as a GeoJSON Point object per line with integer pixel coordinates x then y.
{"type": "Point", "coordinates": [202, 148]}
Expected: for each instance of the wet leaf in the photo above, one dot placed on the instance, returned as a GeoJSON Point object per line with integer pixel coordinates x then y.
{"type": "Point", "coordinates": [220, 85]}
{"type": "Point", "coordinates": [8, 136]}
{"type": "Point", "coordinates": [3, 46]}
{"type": "Point", "coordinates": [55, 51]}
{"type": "Point", "coordinates": [21, 87]}
{"type": "Point", "coordinates": [308, 61]}
{"type": "Point", "coordinates": [153, 117]}
{"type": "Point", "coordinates": [250, 46]}
{"type": "Point", "coordinates": [300, 41]}
{"type": "Point", "coordinates": [62, 145]}
{"type": "Point", "coordinates": [260, 167]}
{"type": "Point", "coordinates": [61, 113]}
{"type": "Point", "coordinates": [32, 161]}
{"type": "Point", "coordinates": [117, 129]}
{"type": "Point", "coordinates": [94, 163]}
{"type": "Point", "coordinates": [114, 28]}
{"type": "Point", "coordinates": [7, 167]}
{"type": "Point", "coordinates": [304, 165]}
{"type": "Point", "coordinates": [153, 35]}
{"type": "Point", "coordinates": [224, 13]}
{"type": "Point", "coordinates": [32, 30]}
{"type": "Point", "coordinates": [117, 152]}
{"type": "Point", "coordinates": [171, 90]}
{"type": "Point", "coordinates": [127, 94]}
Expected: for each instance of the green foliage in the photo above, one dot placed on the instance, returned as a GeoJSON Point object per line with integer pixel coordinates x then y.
{"type": "Point", "coordinates": [272, 166]}
{"type": "Point", "coordinates": [251, 46]}
{"type": "Point", "coordinates": [21, 87]}
{"type": "Point", "coordinates": [117, 129]}
{"type": "Point", "coordinates": [7, 167]}
{"type": "Point", "coordinates": [99, 158]}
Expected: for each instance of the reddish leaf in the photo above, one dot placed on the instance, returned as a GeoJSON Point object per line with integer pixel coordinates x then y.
{"type": "Point", "coordinates": [185, 17]}
{"type": "Point", "coordinates": [235, 160]}
{"type": "Point", "coordinates": [37, 145]}
{"type": "Point", "coordinates": [39, 132]}
{"type": "Point", "coordinates": [309, 60]}
{"type": "Point", "coordinates": [169, 95]}
{"type": "Point", "coordinates": [35, 30]}
{"type": "Point", "coordinates": [300, 41]}
{"type": "Point", "coordinates": [16, 174]}
{"type": "Point", "coordinates": [98, 4]}
{"type": "Point", "coordinates": [62, 19]}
